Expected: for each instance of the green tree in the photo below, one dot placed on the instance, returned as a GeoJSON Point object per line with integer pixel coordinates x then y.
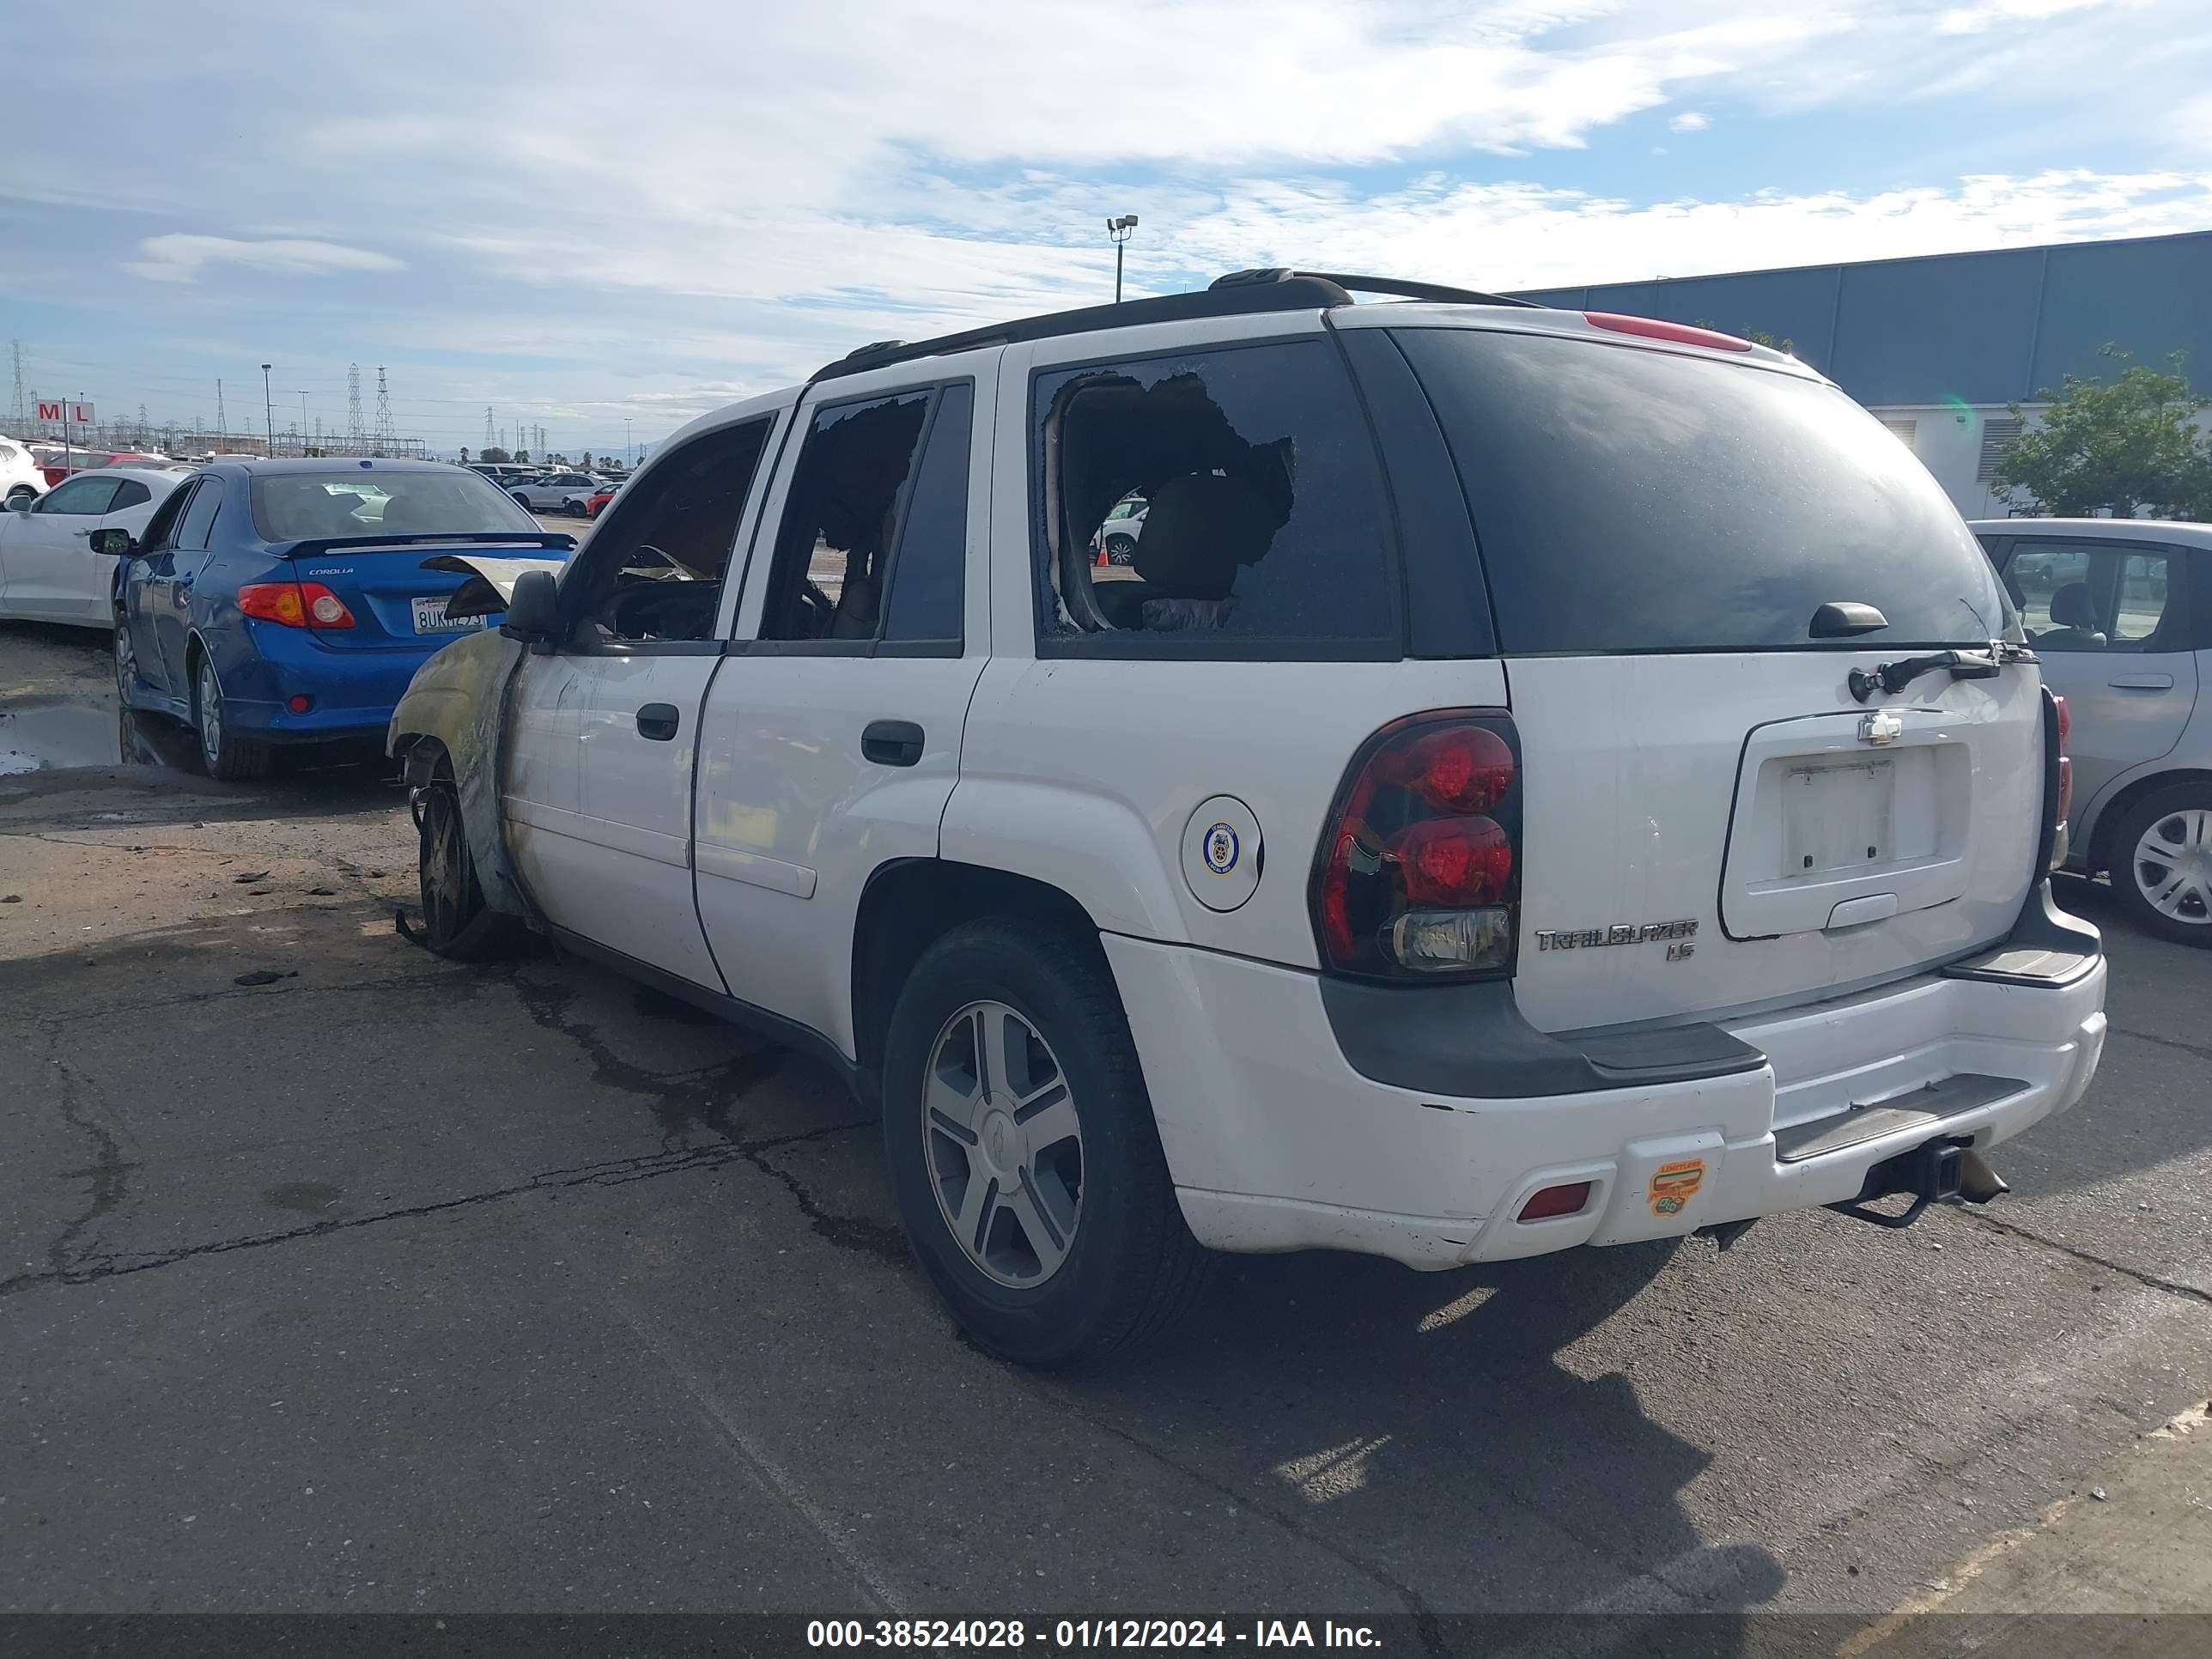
{"type": "Point", "coordinates": [522, 458]}
{"type": "Point", "coordinates": [2131, 447]}
{"type": "Point", "coordinates": [465, 454]}
{"type": "Point", "coordinates": [494, 455]}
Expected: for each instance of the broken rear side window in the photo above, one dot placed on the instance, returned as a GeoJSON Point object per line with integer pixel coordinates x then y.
{"type": "Point", "coordinates": [1223, 504]}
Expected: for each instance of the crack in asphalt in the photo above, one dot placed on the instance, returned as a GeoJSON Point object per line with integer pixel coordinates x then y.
{"type": "Point", "coordinates": [2151, 1281]}
{"type": "Point", "coordinates": [611, 1172]}
{"type": "Point", "coordinates": [222, 993]}
{"type": "Point", "coordinates": [704, 1099]}
{"type": "Point", "coordinates": [2197, 1048]}
{"type": "Point", "coordinates": [108, 1172]}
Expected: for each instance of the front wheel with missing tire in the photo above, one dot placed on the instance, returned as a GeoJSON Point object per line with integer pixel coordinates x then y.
{"type": "Point", "coordinates": [1022, 1150]}
{"type": "Point", "coordinates": [2163, 864]}
{"type": "Point", "coordinates": [456, 921]}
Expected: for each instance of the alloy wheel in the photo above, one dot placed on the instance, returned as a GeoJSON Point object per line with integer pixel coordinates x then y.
{"type": "Point", "coordinates": [2173, 866]}
{"type": "Point", "coordinates": [210, 712]}
{"type": "Point", "coordinates": [1004, 1144]}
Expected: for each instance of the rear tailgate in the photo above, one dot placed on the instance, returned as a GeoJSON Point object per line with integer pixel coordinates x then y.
{"type": "Point", "coordinates": [1713, 819]}
{"type": "Point", "coordinates": [1737, 795]}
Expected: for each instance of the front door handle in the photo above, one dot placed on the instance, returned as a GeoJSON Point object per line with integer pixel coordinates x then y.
{"type": "Point", "coordinates": [659, 721]}
{"type": "Point", "coordinates": [891, 743]}
{"type": "Point", "coordinates": [2143, 682]}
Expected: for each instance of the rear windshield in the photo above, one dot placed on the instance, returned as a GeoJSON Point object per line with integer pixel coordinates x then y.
{"type": "Point", "coordinates": [295, 507]}
{"type": "Point", "coordinates": [1627, 500]}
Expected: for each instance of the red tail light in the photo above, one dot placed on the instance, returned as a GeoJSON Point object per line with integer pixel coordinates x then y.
{"type": "Point", "coordinates": [1651, 328]}
{"type": "Point", "coordinates": [295, 604]}
{"type": "Point", "coordinates": [1549, 1201]}
{"type": "Point", "coordinates": [1418, 876]}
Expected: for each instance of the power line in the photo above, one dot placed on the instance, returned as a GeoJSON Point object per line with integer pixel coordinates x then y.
{"type": "Point", "coordinates": [384, 433]}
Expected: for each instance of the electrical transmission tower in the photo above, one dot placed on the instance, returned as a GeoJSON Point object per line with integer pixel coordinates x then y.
{"type": "Point", "coordinates": [384, 434]}
{"type": "Point", "coordinates": [487, 442]}
{"type": "Point", "coordinates": [22, 409]}
{"type": "Point", "coordinates": [222, 424]}
{"type": "Point", "coordinates": [356, 438]}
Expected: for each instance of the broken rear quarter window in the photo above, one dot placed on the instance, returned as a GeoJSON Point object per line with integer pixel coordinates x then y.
{"type": "Point", "coordinates": [1226, 503]}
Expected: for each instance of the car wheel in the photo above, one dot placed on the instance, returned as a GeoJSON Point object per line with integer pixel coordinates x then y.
{"type": "Point", "coordinates": [1023, 1151]}
{"type": "Point", "coordinates": [1120, 550]}
{"type": "Point", "coordinates": [223, 752]}
{"type": "Point", "coordinates": [126, 662]}
{"type": "Point", "coordinates": [522, 501]}
{"type": "Point", "coordinates": [456, 921]}
{"type": "Point", "coordinates": [2162, 863]}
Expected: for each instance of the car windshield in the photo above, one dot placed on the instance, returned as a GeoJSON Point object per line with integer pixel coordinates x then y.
{"type": "Point", "coordinates": [1626, 499]}
{"type": "Point", "coordinates": [315, 506]}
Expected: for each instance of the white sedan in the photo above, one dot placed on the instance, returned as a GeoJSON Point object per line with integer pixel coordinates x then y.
{"type": "Point", "coordinates": [556, 492]}
{"type": "Point", "coordinates": [48, 571]}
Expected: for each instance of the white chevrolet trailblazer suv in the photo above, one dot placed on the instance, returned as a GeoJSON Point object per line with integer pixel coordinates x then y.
{"type": "Point", "coordinates": [1546, 778]}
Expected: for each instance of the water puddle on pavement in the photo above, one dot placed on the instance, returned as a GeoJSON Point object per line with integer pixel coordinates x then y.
{"type": "Point", "coordinates": [37, 733]}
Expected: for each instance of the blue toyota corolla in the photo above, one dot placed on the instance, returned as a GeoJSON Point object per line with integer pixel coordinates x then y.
{"type": "Point", "coordinates": [279, 602]}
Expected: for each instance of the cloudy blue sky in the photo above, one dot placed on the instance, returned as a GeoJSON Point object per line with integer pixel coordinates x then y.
{"type": "Point", "coordinates": [580, 214]}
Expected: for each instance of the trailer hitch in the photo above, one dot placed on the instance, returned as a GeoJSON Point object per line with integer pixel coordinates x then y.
{"type": "Point", "coordinates": [1931, 1172]}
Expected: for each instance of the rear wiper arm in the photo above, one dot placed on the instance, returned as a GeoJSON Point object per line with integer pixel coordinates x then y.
{"type": "Point", "coordinates": [1894, 677]}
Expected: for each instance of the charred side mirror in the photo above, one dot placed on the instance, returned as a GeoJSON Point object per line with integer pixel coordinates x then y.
{"type": "Point", "coordinates": [532, 609]}
{"type": "Point", "coordinates": [115, 543]}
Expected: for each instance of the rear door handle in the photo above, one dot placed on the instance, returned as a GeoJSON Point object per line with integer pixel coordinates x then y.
{"type": "Point", "coordinates": [659, 721]}
{"type": "Point", "coordinates": [2143, 682]}
{"type": "Point", "coordinates": [891, 743]}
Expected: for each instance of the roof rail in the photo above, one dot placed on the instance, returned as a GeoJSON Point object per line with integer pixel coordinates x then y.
{"type": "Point", "coordinates": [1295, 292]}
{"type": "Point", "coordinates": [1392, 285]}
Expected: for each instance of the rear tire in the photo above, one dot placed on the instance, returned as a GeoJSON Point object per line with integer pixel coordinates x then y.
{"type": "Point", "coordinates": [1086, 1254]}
{"type": "Point", "coordinates": [225, 755]}
{"type": "Point", "coordinates": [2162, 862]}
{"type": "Point", "coordinates": [456, 921]}
{"type": "Point", "coordinates": [523, 501]}
{"type": "Point", "coordinates": [1120, 550]}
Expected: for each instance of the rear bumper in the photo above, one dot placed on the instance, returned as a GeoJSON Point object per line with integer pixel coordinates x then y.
{"type": "Point", "coordinates": [1276, 1142]}
{"type": "Point", "coordinates": [353, 690]}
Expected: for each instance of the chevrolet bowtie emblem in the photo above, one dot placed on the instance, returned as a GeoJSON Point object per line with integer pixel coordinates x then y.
{"type": "Point", "coordinates": [1880, 727]}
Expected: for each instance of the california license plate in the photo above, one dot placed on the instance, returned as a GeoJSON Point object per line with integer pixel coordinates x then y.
{"type": "Point", "coordinates": [430, 618]}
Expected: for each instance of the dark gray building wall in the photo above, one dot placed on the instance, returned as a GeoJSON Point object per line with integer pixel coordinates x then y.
{"type": "Point", "coordinates": [1984, 328]}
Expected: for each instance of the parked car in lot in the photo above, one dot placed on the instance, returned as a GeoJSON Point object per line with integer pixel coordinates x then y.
{"type": "Point", "coordinates": [284, 602]}
{"type": "Point", "coordinates": [600, 500]}
{"type": "Point", "coordinates": [555, 492]}
{"type": "Point", "coordinates": [1115, 541]}
{"type": "Point", "coordinates": [20, 472]}
{"type": "Point", "coordinates": [1553, 779]}
{"type": "Point", "coordinates": [2120, 610]}
{"type": "Point", "coordinates": [49, 569]}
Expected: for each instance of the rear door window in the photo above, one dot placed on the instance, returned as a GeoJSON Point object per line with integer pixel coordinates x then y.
{"type": "Point", "coordinates": [1632, 501]}
{"type": "Point", "coordinates": [1225, 503]}
{"type": "Point", "coordinates": [2096, 596]}
{"type": "Point", "coordinates": [199, 522]}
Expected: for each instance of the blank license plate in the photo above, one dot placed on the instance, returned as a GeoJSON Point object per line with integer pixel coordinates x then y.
{"type": "Point", "coordinates": [1838, 816]}
{"type": "Point", "coordinates": [430, 618]}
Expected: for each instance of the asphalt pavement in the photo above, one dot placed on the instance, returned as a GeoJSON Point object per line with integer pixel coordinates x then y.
{"type": "Point", "coordinates": [336, 1277]}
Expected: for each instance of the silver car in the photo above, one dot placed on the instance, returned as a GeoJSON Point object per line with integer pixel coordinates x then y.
{"type": "Point", "coordinates": [2120, 610]}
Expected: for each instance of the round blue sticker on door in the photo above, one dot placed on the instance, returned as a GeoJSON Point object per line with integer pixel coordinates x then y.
{"type": "Point", "coordinates": [1222, 847]}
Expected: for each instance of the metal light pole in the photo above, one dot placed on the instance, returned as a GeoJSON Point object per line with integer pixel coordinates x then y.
{"type": "Point", "coordinates": [1119, 229]}
{"type": "Point", "coordinates": [303, 423]}
{"type": "Point", "coordinates": [630, 449]}
{"type": "Point", "coordinates": [269, 411]}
